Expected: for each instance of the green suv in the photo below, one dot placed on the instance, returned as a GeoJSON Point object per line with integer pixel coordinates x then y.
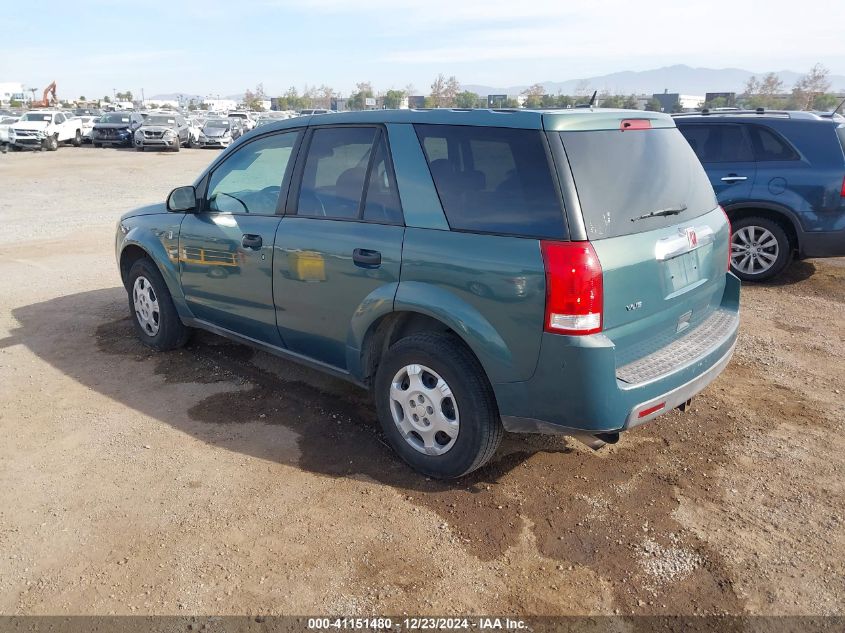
{"type": "Point", "coordinates": [478, 271]}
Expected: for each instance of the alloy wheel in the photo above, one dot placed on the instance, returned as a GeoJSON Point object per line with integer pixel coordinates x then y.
{"type": "Point", "coordinates": [754, 250]}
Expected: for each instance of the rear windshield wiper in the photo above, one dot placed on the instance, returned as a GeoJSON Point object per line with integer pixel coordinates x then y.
{"type": "Point", "coordinates": [661, 212]}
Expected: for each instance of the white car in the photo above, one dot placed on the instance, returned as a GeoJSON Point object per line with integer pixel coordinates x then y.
{"type": "Point", "coordinates": [45, 129]}
{"type": "Point", "coordinates": [246, 117]}
{"type": "Point", "coordinates": [87, 126]}
{"type": "Point", "coordinates": [6, 123]}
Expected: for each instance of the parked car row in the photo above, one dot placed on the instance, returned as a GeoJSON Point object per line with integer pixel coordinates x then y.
{"type": "Point", "coordinates": [47, 129]}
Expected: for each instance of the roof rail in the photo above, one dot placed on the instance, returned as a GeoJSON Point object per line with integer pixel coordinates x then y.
{"type": "Point", "coordinates": [797, 114]}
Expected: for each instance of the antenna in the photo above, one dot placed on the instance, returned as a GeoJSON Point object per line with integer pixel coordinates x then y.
{"type": "Point", "coordinates": [593, 99]}
{"type": "Point", "coordinates": [836, 109]}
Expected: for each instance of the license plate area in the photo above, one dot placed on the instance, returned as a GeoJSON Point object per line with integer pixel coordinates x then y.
{"type": "Point", "coordinates": [686, 271]}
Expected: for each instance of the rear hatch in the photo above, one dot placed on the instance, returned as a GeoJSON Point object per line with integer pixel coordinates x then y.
{"type": "Point", "coordinates": [650, 213]}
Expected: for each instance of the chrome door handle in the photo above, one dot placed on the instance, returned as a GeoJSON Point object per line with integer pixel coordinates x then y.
{"type": "Point", "coordinates": [734, 178]}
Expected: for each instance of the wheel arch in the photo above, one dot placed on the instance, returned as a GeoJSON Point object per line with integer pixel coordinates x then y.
{"type": "Point", "coordinates": [136, 246]}
{"type": "Point", "coordinates": [784, 216]}
{"type": "Point", "coordinates": [427, 309]}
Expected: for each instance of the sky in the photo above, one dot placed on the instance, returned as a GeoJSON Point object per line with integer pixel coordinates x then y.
{"type": "Point", "coordinates": [213, 47]}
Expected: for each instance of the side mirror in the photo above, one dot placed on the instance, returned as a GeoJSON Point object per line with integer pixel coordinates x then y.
{"type": "Point", "coordinates": [182, 200]}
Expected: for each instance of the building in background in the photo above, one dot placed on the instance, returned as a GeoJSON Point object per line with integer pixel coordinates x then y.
{"type": "Point", "coordinates": [12, 91]}
{"type": "Point", "coordinates": [675, 102]}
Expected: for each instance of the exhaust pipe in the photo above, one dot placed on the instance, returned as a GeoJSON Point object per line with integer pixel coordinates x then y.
{"type": "Point", "coordinates": [598, 440]}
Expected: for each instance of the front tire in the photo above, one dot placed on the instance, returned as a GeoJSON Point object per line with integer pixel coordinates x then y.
{"type": "Point", "coordinates": [436, 406]}
{"type": "Point", "coordinates": [151, 308]}
{"type": "Point", "coordinates": [760, 249]}
{"type": "Point", "coordinates": [51, 143]}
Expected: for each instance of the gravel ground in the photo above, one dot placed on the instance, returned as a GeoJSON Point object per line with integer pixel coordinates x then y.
{"type": "Point", "coordinates": [218, 479]}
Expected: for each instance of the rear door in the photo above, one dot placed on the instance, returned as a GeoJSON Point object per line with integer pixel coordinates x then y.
{"type": "Point", "coordinates": [226, 248]}
{"type": "Point", "coordinates": [725, 151]}
{"type": "Point", "coordinates": [340, 244]}
{"type": "Point", "coordinates": [653, 220]}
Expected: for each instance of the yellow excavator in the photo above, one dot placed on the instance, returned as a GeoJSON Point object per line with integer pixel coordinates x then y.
{"type": "Point", "coordinates": [49, 99]}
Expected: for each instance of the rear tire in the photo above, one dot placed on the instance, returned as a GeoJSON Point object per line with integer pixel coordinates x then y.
{"type": "Point", "coordinates": [760, 249]}
{"type": "Point", "coordinates": [77, 139]}
{"type": "Point", "coordinates": [151, 308]}
{"type": "Point", "coordinates": [436, 376]}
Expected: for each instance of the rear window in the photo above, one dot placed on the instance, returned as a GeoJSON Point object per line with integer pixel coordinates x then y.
{"type": "Point", "coordinates": [621, 176]}
{"type": "Point", "coordinates": [493, 180]}
{"type": "Point", "coordinates": [840, 132]}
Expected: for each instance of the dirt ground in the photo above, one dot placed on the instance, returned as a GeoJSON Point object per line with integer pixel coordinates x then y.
{"type": "Point", "coordinates": [222, 480]}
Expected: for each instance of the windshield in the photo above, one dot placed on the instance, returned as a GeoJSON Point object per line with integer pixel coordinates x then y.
{"type": "Point", "coordinates": [160, 120]}
{"type": "Point", "coordinates": [218, 124]}
{"type": "Point", "coordinates": [114, 118]}
{"type": "Point", "coordinates": [7, 120]}
{"type": "Point", "coordinates": [37, 116]}
{"type": "Point", "coordinates": [237, 114]}
{"type": "Point", "coordinates": [621, 176]}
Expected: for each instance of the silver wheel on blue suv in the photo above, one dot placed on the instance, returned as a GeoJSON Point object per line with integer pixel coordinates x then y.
{"type": "Point", "coordinates": [760, 249]}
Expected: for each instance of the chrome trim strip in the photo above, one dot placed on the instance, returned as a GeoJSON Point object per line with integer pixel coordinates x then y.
{"type": "Point", "coordinates": [675, 245]}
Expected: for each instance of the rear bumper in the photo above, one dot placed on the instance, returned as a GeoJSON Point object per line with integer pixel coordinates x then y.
{"type": "Point", "coordinates": [822, 244]}
{"type": "Point", "coordinates": [576, 387]}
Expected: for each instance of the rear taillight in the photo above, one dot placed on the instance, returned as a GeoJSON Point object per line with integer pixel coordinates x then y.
{"type": "Point", "coordinates": [731, 234]}
{"type": "Point", "coordinates": [842, 192]}
{"type": "Point", "coordinates": [574, 293]}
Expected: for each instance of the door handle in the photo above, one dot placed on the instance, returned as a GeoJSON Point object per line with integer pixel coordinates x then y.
{"type": "Point", "coordinates": [734, 178]}
{"type": "Point", "coordinates": [252, 241]}
{"type": "Point", "coordinates": [366, 258]}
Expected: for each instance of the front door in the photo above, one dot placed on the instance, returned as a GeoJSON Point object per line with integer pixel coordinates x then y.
{"type": "Point", "coordinates": [226, 248]}
{"type": "Point", "coordinates": [725, 151]}
{"type": "Point", "coordinates": [342, 246]}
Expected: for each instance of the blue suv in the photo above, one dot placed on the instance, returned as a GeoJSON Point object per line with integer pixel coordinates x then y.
{"type": "Point", "coordinates": [780, 176]}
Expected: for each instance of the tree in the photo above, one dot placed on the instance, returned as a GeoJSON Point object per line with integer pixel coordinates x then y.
{"type": "Point", "coordinates": [467, 99]}
{"type": "Point", "coordinates": [810, 87]}
{"type": "Point", "coordinates": [653, 105]}
{"type": "Point", "coordinates": [124, 96]}
{"type": "Point", "coordinates": [323, 96]}
{"type": "Point", "coordinates": [438, 88]}
{"type": "Point", "coordinates": [444, 91]}
{"type": "Point", "coordinates": [253, 99]}
{"type": "Point", "coordinates": [718, 102]}
{"type": "Point", "coordinates": [82, 97]}
{"type": "Point", "coordinates": [107, 99]}
{"type": "Point", "coordinates": [631, 103]}
{"type": "Point", "coordinates": [763, 93]}
{"type": "Point", "coordinates": [611, 101]}
{"type": "Point", "coordinates": [534, 95]}
{"type": "Point", "coordinates": [358, 99]}
{"type": "Point", "coordinates": [393, 99]}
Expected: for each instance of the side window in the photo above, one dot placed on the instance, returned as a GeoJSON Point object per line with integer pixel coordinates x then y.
{"type": "Point", "coordinates": [60, 118]}
{"type": "Point", "coordinates": [335, 171]}
{"type": "Point", "coordinates": [250, 180]}
{"type": "Point", "coordinates": [493, 180]}
{"type": "Point", "coordinates": [382, 198]}
{"type": "Point", "coordinates": [769, 145]}
{"type": "Point", "coordinates": [726, 143]}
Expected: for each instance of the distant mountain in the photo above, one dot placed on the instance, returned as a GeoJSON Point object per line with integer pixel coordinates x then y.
{"type": "Point", "coordinates": [678, 78]}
